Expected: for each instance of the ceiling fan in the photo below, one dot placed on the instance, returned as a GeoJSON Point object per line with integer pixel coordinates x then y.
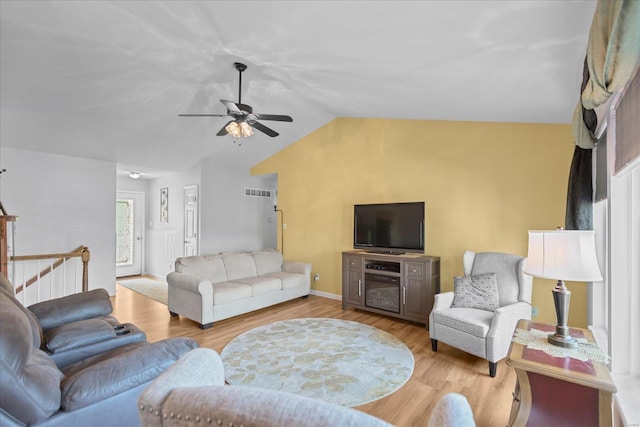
{"type": "Point", "coordinates": [244, 120]}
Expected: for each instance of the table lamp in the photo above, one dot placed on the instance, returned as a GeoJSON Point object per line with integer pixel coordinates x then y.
{"type": "Point", "coordinates": [563, 255]}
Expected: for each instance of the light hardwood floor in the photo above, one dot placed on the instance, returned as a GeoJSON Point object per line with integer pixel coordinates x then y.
{"type": "Point", "coordinates": [448, 370]}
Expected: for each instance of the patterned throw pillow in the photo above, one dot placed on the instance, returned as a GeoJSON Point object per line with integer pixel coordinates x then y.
{"type": "Point", "coordinates": [479, 291]}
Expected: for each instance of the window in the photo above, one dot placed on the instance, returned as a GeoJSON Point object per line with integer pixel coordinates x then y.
{"type": "Point", "coordinates": [615, 302]}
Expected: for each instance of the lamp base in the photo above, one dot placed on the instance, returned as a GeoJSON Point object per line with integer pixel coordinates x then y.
{"type": "Point", "coordinates": [566, 341]}
{"type": "Point", "coordinates": [561, 298]}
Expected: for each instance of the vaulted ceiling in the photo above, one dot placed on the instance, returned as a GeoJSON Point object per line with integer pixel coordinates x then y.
{"type": "Point", "coordinates": [107, 79]}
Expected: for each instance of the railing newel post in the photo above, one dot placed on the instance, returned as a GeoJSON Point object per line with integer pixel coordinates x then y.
{"type": "Point", "coordinates": [86, 256]}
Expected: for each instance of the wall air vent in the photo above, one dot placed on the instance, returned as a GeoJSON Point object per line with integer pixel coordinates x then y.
{"type": "Point", "coordinates": [252, 192]}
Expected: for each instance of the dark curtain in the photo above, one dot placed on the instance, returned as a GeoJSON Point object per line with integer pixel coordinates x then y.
{"type": "Point", "coordinates": [579, 214]}
{"type": "Point", "coordinates": [613, 55]}
{"type": "Point", "coordinates": [579, 211]}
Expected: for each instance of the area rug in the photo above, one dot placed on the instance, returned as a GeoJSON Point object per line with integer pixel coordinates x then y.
{"type": "Point", "coordinates": [156, 289]}
{"type": "Point", "coordinates": [338, 361]}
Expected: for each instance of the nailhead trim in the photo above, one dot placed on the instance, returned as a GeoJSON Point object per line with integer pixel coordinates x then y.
{"type": "Point", "coordinates": [197, 418]}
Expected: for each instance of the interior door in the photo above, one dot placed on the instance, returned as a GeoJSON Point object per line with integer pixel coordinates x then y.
{"type": "Point", "coordinates": [129, 230]}
{"type": "Point", "coordinates": [191, 224]}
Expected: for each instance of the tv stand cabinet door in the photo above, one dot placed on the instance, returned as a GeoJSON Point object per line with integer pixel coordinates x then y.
{"type": "Point", "coordinates": [416, 294]}
{"type": "Point", "coordinates": [352, 281]}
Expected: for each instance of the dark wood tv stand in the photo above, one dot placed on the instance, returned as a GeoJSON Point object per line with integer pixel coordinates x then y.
{"type": "Point", "coordinates": [401, 286]}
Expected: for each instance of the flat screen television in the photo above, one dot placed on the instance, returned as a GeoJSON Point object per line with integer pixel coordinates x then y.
{"type": "Point", "coordinates": [389, 227]}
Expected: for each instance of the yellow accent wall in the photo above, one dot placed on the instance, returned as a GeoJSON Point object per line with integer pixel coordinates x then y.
{"type": "Point", "coordinates": [484, 185]}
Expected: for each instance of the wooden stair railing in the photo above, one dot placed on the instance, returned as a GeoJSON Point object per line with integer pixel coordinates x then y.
{"type": "Point", "coordinates": [81, 252]}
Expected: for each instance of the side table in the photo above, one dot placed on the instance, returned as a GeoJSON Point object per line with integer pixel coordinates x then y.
{"type": "Point", "coordinates": [559, 391]}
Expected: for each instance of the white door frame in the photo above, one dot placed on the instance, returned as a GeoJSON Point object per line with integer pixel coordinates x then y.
{"type": "Point", "coordinates": [187, 240]}
{"type": "Point", "coordinates": [139, 230]}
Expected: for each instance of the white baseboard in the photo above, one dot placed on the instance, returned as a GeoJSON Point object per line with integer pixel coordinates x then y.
{"type": "Point", "coordinates": [327, 295]}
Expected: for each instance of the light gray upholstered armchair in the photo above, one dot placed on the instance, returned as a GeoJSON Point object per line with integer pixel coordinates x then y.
{"type": "Point", "coordinates": [483, 333]}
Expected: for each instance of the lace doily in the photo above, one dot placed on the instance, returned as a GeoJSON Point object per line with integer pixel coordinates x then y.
{"type": "Point", "coordinates": [536, 339]}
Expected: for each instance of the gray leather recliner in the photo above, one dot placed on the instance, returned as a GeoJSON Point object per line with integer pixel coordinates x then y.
{"type": "Point", "coordinates": [76, 326]}
{"type": "Point", "coordinates": [100, 389]}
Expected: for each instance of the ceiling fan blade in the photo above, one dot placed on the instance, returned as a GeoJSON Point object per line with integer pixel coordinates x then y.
{"type": "Point", "coordinates": [274, 117]}
{"type": "Point", "coordinates": [231, 106]}
{"type": "Point", "coordinates": [262, 128]}
{"type": "Point", "coordinates": [223, 131]}
{"type": "Point", "coordinates": [202, 115]}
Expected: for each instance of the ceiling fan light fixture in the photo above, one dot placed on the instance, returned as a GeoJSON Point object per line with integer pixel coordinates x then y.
{"type": "Point", "coordinates": [245, 129]}
{"type": "Point", "coordinates": [233, 129]}
{"type": "Point", "coordinates": [238, 130]}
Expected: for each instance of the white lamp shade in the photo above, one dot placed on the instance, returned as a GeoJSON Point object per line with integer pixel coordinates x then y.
{"type": "Point", "coordinates": [563, 255]}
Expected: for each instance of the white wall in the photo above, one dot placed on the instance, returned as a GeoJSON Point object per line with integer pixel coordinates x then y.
{"type": "Point", "coordinates": [231, 221]}
{"type": "Point", "coordinates": [165, 239]}
{"type": "Point", "coordinates": [50, 193]}
{"type": "Point", "coordinates": [124, 183]}
{"type": "Point", "coordinates": [62, 202]}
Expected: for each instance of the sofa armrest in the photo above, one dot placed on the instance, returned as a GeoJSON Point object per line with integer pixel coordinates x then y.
{"type": "Point", "coordinates": [78, 334]}
{"type": "Point", "coordinates": [198, 367]}
{"type": "Point", "coordinates": [71, 308]}
{"type": "Point", "coordinates": [297, 267]}
{"type": "Point", "coordinates": [249, 406]}
{"type": "Point", "coordinates": [190, 283]}
{"type": "Point", "coordinates": [442, 300]}
{"type": "Point", "coordinates": [502, 327]}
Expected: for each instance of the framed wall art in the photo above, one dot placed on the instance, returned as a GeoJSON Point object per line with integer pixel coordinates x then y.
{"type": "Point", "coordinates": [164, 204]}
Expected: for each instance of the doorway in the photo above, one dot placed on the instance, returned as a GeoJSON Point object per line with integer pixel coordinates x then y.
{"type": "Point", "coordinates": [129, 233]}
{"type": "Point", "coordinates": [191, 221]}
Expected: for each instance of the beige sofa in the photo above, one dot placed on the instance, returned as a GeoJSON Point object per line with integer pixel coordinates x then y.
{"type": "Point", "coordinates": [215, 287]}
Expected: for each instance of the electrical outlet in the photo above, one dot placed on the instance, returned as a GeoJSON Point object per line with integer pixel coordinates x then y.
{"type": "Point", "coordinates": [316, 278]}
{"type": "Point", "coordinates": [534, 311]}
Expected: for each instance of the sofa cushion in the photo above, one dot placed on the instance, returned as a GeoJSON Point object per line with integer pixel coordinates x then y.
{"type": "Point", "coordinates": [289, 280]}
{"type": "Point", "coordinates": [29, 379]}
{"type": "Point", "coordinates": [209, 267]}
{"type": "Point", "coordinates": [479, 292]}
{"type": "Point", "coordinates": [267, 261]}
{"type": "Point", "coordinates": [470, 320]}
{"type": "Point", "coordinates": [122, 372]}
{"type": "Point", "coordinates": [239, 266]}
{"type": "Point", "coordinates": [78, 334]}
{"type": "Point", "coordinates": [262, 284]}
{"type": "Point", "coordinates": [224, 293]}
